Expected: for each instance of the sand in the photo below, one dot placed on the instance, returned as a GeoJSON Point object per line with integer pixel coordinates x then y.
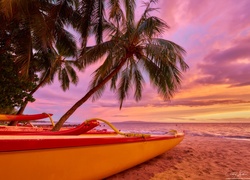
{"type": "Point", "coordinates": [196, 158]}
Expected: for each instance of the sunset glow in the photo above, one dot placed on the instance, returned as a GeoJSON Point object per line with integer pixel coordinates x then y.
{"type": "Point", "coordinates": [216, 88]}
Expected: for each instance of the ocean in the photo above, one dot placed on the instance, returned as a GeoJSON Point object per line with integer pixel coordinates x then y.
{"type": "Point", "coordinates": [237, 131]}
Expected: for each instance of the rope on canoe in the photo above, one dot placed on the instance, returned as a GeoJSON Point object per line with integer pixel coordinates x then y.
{"type": "Point", "coordinates": [50, 118]}
{"type": "Point", "coordinates": [117, 131]}
{"type": "Point", "coordinates": [173, 132]}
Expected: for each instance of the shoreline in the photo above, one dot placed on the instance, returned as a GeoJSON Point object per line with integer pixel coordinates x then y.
{"type": "Point", "coordinates": [195, 158]}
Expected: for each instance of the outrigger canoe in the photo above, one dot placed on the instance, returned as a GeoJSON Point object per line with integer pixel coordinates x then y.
{"type": "Point", "coordinates": [79, 157]}
{"type": "Point", "coordinates": [26, 117]}
{"type": "Point", "coordinates": [17, 130]}
{"type": "Point", "coordinates": [23, 117]}
{"type": "Point", "coordinates": [86, 157]}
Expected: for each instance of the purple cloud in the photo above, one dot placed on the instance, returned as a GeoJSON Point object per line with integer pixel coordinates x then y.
{"type": "Point", "coordinates": [230, 66]}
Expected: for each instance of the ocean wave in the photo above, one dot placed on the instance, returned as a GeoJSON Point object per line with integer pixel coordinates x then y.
{"type": "Point", "coordinates": [239, 137]}
{"type": "Point", "coordinates": [146, 132]}
{"type": "Point", "coordinates": [205, 134]}
{"type": "Point", "coordinates": [222, 130]}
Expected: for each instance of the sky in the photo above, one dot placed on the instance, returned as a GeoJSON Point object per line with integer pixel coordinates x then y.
{"type": "Point", "coordinates": [216, 87]}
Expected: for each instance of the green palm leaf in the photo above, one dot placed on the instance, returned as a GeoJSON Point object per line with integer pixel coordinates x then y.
{"type": "Point", "coordinates": [124, 85]}
{"type": "Point", "coordinates": [63, 77]}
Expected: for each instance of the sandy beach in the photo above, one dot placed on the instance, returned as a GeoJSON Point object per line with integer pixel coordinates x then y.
{"type": "Point", "coordinates": [196, 158]}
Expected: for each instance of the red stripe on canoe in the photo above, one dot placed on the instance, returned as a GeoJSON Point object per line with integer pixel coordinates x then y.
{"type": "Point", "coordinates": [60, 142]}
{"type": "Point", "coordinates": [23, 117]}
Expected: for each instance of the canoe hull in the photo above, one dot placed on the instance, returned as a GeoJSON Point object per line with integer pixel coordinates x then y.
{"type": "Point", "coordinates": [95, 161]}
{"type": "Point", "coordinates": [6, 117]}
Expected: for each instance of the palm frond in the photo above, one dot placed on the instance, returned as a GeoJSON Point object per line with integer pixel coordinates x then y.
{"type": "Point", "coordinates": [130, 11]}
{"type": "Point", "coordinates": [86, 14]}
{"type": "Point", "coordinates": [40, 32]}
{"type": "Point", "coordinates": [65, 43]}
{"type": "Point", "coordinates": [152, 27]}
{"type": "Point", "coordinates": [64, 79]}
{"type": "Point", "coordinates": [116, 13]}
{"type": "Point", "coordinates": [98, 93]}
{"type": "Point", "coordinates": [162, 77]}
{"type": "Point", "coordinates": [94, 53]}
{"type": "Point", "coordinates": [72, 73]}
{"type": "Point", "coordinates": [55, 67]}
{"type": "Point", "coordinates": [111, 29]}
{"type": "Point", "coordinates": [100, 74]}
{"type": "Point", "coordinates": [95, 81]}
{"type": "Point", "coordinates": [138, 82]}
{"type": "Point", "coordinates": [124, 85]}
{"type": "Point", "coordinates": [65, 10]}
{"type": "Point", "coordinates": [23, 61]}
{"type": "Point", "coordinates": [23, 51]}
{"type": "Point", "coordinates": [113, 83]}
{"type": "Point", "coordinates": [97, 20]}
{"type": "Point", "coordinates": [174, 51]}
{"type": "Point", "coordinates": [147, 10]}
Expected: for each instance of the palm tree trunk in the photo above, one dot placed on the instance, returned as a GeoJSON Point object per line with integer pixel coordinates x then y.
{"type": "Point", "coordinates": [60, 123]}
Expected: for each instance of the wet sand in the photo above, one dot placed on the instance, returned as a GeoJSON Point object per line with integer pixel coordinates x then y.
{"type": "Point", "coordinates": [196, 158]}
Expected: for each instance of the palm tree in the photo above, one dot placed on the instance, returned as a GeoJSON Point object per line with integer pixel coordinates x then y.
{"type": "Point", "coordinates": [49, 66]}
{"type": "Point", "coordinates": [37, 33]}
{"type": "Point", "coordinates": [50, 63]}
{"type": "Point", "coordinates": [131, 48]}
{"type": "Point", "coordinates": [37, 26]}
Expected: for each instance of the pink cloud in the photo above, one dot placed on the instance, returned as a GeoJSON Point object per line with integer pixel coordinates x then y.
{"type": "Point", "coordinates": [180, 13]}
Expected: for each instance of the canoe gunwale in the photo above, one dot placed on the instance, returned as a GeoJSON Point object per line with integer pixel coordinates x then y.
{"type": "Point", "coordinates": [40, 142]}
{"type": "Point", "coordinates": [24, 117]}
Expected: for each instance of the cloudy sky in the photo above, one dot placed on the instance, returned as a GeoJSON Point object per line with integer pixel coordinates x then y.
{"type": "Point", "coordinates": [216, 88]}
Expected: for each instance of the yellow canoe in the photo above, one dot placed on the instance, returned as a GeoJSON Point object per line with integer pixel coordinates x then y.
{"type": "Point", "coordinates": [84, 157]}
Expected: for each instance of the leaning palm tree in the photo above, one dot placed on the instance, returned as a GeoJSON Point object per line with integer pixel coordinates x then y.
{"type": "Point", "coordinates": [131, 48]}
{"type": "Point", "coordinates": [49, 65]}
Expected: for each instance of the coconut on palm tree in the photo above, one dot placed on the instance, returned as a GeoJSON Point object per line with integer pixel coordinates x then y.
{"type": "Point", "coordinates": [132, 50]}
